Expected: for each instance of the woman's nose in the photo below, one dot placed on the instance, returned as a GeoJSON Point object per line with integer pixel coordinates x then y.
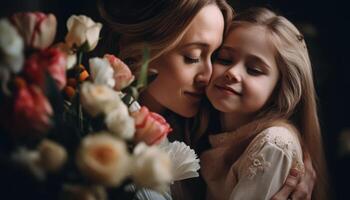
{"type": "Point", "coordinates": [204, 75]}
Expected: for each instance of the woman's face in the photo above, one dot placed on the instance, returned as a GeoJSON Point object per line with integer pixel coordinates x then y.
{"type": "Point", "coordinates": [184, 71]}
{"type": "Point", "coordinates": [244, 73]}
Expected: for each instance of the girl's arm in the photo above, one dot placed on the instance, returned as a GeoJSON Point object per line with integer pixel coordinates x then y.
{"type": "Point", "coordinates": [264, 167]}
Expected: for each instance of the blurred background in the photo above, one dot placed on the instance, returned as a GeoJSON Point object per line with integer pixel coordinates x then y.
{"type": "Point", "coordinates": [325, 28]}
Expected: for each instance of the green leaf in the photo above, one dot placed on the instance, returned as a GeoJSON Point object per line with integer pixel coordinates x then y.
{"type": "Point", "coordinates": [142, 80]}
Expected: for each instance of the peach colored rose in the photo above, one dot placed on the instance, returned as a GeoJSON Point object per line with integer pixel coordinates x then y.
{"type": "Point", "coordinates": [150, 127]}
{"type": "Point", "coordinates": [104, 159]}
{"type": "Point", "coordinates": [152, 167]}
{"type": "Point", "coordinates": [51, 61]}
{"type": "Point", "coordinates": [122, 74]}
{"type": "Point", "coordinates": [52, 155]}
{"type": "Point", "coordinates": [37, 29]}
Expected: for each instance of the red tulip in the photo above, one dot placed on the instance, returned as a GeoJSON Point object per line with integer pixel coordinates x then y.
{"type": "Point", "coordinates": [31, 112]}
{"type": "Point", "coordinates": [52, 61]}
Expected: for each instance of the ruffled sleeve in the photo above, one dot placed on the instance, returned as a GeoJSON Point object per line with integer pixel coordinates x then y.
{"type": "Point", "coordinates": [264, 166]}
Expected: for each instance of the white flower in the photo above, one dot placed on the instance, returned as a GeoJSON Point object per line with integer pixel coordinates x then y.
{"type": "Point", "coordinates": [104, 159]}
{"type": "Point", "coordinates": [30, 160]}
{"type": "Point", "coordinates": [82, 29]}
{"type": "Point", "coordinates": [98, 99]}
{"type": "Point", "coordinates": [11, 52]}
{"type": "Point", "coordinates": [71, 56]}
{"type": "Point", "coordinates": [151, 167]}
{"type": "Point", "coordinates": [52, 155]}
{"type": "Point", "coordinates": [184, 160]}
{"type": "Point", "coordinates": [120, 123]}
{"type": "Point", "coordinates": [102, 71]}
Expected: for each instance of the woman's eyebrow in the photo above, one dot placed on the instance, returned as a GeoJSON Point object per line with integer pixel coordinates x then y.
{"type": "Point", "coordinates": [197, 44]}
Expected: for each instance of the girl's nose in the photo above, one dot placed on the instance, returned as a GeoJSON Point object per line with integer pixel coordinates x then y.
{"type": "Point", "coordinates": [234, 74]}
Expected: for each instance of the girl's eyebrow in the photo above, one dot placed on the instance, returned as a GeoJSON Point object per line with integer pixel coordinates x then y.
{"type": "Point", "coordinates": [261, 61]}
{"type": "Point", "coordinates": [256, 58]}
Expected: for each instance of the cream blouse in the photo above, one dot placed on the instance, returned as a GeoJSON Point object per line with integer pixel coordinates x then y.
{"type": "Point", "coordinates": [261, 169]}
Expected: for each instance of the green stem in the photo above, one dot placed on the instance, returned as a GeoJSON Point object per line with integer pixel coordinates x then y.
{"type": "Point", "coordinates": [79, 108]}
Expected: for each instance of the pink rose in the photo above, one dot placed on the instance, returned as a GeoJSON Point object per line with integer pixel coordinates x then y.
{"type": "Point", "coordinates": [32, 111]}
{"type": "Point", "coordinates": [150, 127]}
{"type": "Point", "coordinates": [37, 29]}
{"type": "Point", "coordinates": [122, 74]}
{"type": "Point", "coordinates": [52, 61]}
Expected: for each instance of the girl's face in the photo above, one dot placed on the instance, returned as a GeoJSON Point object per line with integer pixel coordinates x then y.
{"type": "Point", "coordinates": [244, 73]}
{"type": "Point", "coordinates": [184, 71]}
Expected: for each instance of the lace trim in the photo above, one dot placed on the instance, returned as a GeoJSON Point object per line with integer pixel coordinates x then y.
{"type": "Point", "coordinates": [256, 161]}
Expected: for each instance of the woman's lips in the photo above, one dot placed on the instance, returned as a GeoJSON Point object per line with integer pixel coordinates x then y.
{"type": "Point", "coordinates": [194, 95]}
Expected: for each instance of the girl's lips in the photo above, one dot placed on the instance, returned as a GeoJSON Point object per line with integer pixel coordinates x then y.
{"type": "Point", "coordinates": [228, 90]}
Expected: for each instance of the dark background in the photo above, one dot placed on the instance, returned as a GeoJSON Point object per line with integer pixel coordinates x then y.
{"type": "Point", "coordinates": [325, 27]}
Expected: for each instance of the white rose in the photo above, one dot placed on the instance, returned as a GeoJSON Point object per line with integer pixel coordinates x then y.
{"type": "Point", "coordinates": [52, 155]}
{"type": "Point", "coordinates": [120, 123]}
{"type": "Point", "coordinates": [102, 72]}
{"type": "Point", "coordinates": [151, 167]}
{"type": "Point", "coordinates": [104, 159]}
{"type": "Point", "coordinates": [98, 99]}
{"type": "Point", "coordinates": [11, 51]}
{"type": "Point", "coordinates": [82, 29]}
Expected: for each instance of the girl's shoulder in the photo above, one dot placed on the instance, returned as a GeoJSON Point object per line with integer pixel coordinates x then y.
{"type": "Point", "coordinates": [280, 137]}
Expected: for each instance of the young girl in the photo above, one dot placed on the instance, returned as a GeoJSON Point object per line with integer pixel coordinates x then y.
{"type": "Point", "coordinates": [263, 87]}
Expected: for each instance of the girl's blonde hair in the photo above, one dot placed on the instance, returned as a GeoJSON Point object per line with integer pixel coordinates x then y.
{"type": "Point", "coordinates": [294, 98]}
{"type": "Point", "coordinates": [160, 31]}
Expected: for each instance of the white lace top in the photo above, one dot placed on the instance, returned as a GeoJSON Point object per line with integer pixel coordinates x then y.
{"type": "Point", "coordinates": [262, 169]}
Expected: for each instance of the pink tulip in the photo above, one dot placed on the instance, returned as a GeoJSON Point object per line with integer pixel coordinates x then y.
{"type": "Point", "coordinates": [52, 61]}
{"type": "Point", "coordinates": [151, 127]}
{"type": "Point", "coordinates": [37, 29]}
{"type": "Point", "coordinates": [122, 74]}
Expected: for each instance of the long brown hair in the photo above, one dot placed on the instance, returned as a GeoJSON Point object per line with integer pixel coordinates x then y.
{"type": "Point", "coordinates": [159, 27]}
{"type": "Point", "coordinates": [294, 98]}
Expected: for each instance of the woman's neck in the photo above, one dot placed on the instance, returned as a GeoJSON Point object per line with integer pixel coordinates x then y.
{"type": "Point", "coordinates": [232, 121]}
{"type": "Point", "coordinates": [146, 99]}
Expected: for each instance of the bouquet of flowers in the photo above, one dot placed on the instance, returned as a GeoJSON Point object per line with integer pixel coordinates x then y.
{"type": "Point", "coordinates": [69, 131]}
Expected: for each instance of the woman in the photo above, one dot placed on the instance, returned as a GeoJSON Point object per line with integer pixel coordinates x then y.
{"type": "Point", "coordinates": [182, 37]}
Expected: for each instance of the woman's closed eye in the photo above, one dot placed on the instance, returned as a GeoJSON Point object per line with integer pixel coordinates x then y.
{"type": "Point", "coordinates": [190, 60]}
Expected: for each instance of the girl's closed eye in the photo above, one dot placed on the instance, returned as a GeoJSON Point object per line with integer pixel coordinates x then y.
{"type": "Point", "coordinates": [255, 71]}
